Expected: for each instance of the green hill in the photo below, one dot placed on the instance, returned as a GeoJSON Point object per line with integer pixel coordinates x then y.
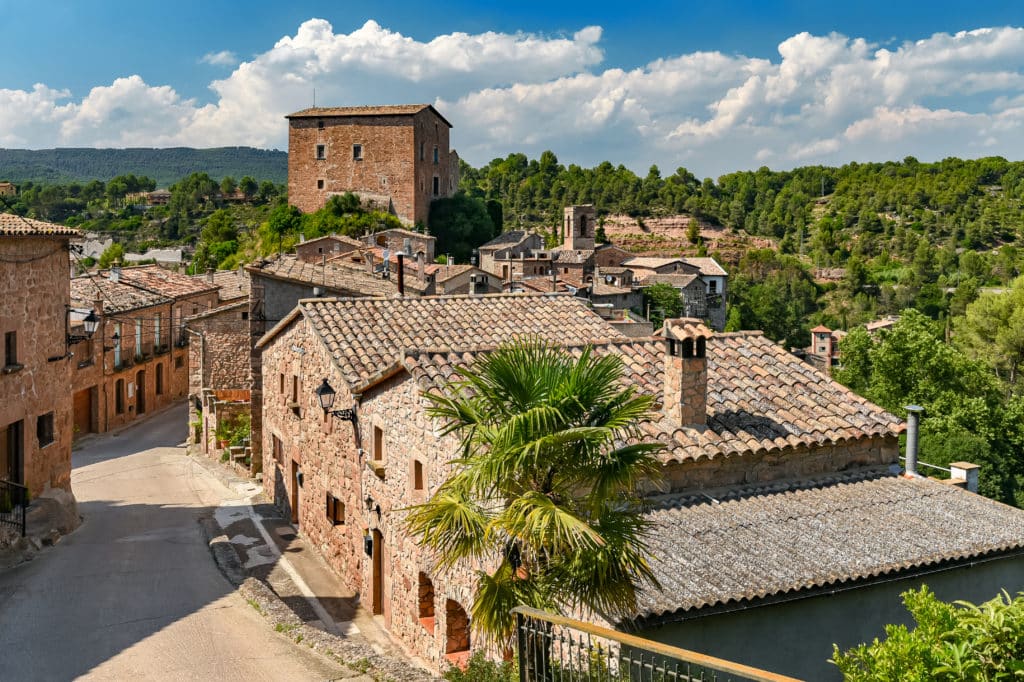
{"type": "Point", "coordinates": [163, 165]}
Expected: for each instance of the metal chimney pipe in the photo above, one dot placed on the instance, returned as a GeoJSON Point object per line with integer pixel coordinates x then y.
{"type": "Point", "coordinates": [913, 418]}
{"type": "Point", "coordinates": [401, 274]}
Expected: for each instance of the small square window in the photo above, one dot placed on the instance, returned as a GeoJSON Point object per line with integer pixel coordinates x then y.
{"type": "Point", "coordinates": [44, 429]}
{"type": "Point", "coordinates": [179, 362]}
{"type": "Point", "coordinates": [245, 315]}
{"type": "Point", "coordinates": [319, 184]}
{"type": "Point", "coordinates": [335, 510]}
{"type": "Point", "coordinates": [357, 152]}
{"type": "Point", "coordinates": [321, 152]}
{"type": "Point", "coordinates": [437, 155]}
{"type": "Point", "coordinates": [320, 125]}
{"type": "Point", "coordinates": [11, 348]}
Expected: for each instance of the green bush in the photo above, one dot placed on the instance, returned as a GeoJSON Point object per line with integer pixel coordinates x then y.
{"type": "Point", "coordinates": [481, 669]}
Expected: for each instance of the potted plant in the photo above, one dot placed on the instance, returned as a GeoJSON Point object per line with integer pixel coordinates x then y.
{"type": "Point", "coordinates": [240, 430]}
{"type": "Point", "coordinates": [223, 433]}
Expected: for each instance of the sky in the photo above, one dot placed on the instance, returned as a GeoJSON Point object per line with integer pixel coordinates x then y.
{"type": "Point", "coordinates": [713, 87]}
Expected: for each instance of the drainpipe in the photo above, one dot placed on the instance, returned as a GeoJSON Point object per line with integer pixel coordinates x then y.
{"type": "Point", "coordinates": [913, 418]}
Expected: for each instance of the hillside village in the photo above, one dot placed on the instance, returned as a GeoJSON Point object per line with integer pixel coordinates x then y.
{"type": "Point", "coordinates": [783, 514]}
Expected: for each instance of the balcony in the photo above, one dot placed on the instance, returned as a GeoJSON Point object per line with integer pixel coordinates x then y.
{"type": "Point", "coordinates": [552, 647]}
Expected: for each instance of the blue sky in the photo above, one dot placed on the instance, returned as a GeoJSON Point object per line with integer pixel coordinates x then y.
{"type": "Point", "coordinates": [710, 86]}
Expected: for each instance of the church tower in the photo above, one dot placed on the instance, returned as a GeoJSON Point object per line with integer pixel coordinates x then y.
{"type": "Point", "coordinates": [578, 225]}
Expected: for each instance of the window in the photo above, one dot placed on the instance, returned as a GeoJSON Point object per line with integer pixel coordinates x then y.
{"type": "Point", "coordinates": [426, 602]}
{"type": "Point", "coordinates": [437, 156]}
{"type": "Point", "coordinates": [277, 448]}
{"type": "Point", "coordinates": [156, 330]}
{"type": "Point", "coordinates": [280, 383]}
{"type": "Point", "coordinates": [138, 337]}
{"type": "Point", "coordinates": [713, 286]}
{"type": "Point", "coordinates": [295, 389]}
{"type": "Point", "coordinates": [245, 316]}
{"type": "Point", "coordinates": [437, 185]}
{"type": "Point", "coordinates": [159, 378]}
{"type": "Point", "coordinates": [119, 396]}
{"type": "Point", "coordinates": [179, 362]}
{"type": "Point", "coordinates": [321, 152]}
{"type": "Point", "coordinates": [335, 510]}
{"type": "Point", "coordinates": [319, 184]}
{"type": "Point", "coordinates": [357, 152]}
{"type": "Point", "coordinates": [423, 151]}
{"type": "Point", "coordinates": [417, 475]}
{"type": "Point", "coordinates": [11, 349]}
{"type": "Point", "coordinates": [319, 125]}
{"type": "Point", "coordinates": [44, 429]}
{"type": "Point", "coordinates": [195, 310]}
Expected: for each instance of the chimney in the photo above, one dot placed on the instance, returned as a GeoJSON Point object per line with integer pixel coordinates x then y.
{"type": "Point", "coordinates": [209, 275]}
{"type": "Point", "coordinates": [966, 472]}
{"type": "Point", "coordinates": [401, 274]}
{"type": "Point", "coordinates": [913, 418]}
{"type": "Point", "coordinates": [686, 371]}
{"type": "Point", "coordinates": [115, 272]}
{"type": "Point", "coordinates": [472, 285]}
{"type": "Point", "coordinates": [369, 261]}
{"type": "Point", "coordinates": [421, 266]}
{"type": "Point", "coordinates": [474, 258]}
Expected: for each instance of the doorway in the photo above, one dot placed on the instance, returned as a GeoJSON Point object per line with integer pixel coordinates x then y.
{"type": "Point", "coordinates": [295, 493]}
{"type": "Point", "coordinates": [140, 392]}
{"type": "Point", "coordinates": [12, 454]}
{"type": "Point", "coordinates": [378, 572]}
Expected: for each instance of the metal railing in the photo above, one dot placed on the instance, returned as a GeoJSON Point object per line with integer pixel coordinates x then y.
{"type": "Point", "coordinates": [13, 502]}
{"type": "Point", "coordinates": [554, 648]}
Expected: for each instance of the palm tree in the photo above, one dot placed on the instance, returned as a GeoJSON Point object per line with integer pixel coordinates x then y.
{"type": "Point", "coordinates": [545, 490]}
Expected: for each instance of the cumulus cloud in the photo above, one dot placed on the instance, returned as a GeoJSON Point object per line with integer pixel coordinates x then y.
{"type": "Point", "coordinates": [823, 99]}
{"type": "Point", "coordinates": [222, 58]}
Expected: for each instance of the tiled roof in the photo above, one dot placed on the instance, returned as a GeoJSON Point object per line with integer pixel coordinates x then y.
{"type": "Point", "coordinates": [822, 329]}
{"type": "Point", "coordinates": [759, 398]}
{"type": "Point", "coordinates": [574, 257]}
{"type": "Point", "coordinates": [675, 279]}
{"type": "Point", "coordinates": [334, 237]}
{"type": "Point", "coordinates": [649, 262]}
{"type": "Point", "coordinates": [226, 308]}
{"type": "Point", "coordinates": [164, 282]}
{"type": "Point", "coordinates": [337, 276]}
{"type": "Point", "coordinates": [443, 273]}
{"type": "Point", "coordinates": [382, 110]}
{"type": "Point", "coordinates": [510, 238]}
{"type": "Point", "coordinates": [615, 271]}
{"type": "Point", "coordinates": [788, 538]}
{"type": "Point", "coordinates": [366, 337]}
{"type": "Point", "coordinates": [118, 297]}
{"type": "Point", "coordinates": [602, 289]}
{"type": "Point", "coordinates": [231, 284]}
{"type": "Point", "coordinates": [12, 225]}
{"type": "Point", "coordinates": [708, 266]}
{"type": "Point", "coordinates": [401, 232]}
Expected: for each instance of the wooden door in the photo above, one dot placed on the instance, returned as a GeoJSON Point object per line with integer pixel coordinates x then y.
{"type": "Point", "coordinates": [378, 572]}
{"type": "Point", "coordinates": [140, 392]}
{"type": "Point", "coordinates": [83, 412]}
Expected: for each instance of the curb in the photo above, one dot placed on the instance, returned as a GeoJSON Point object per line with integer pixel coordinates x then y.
{"type": "Point", "coordinates": [361, 659]}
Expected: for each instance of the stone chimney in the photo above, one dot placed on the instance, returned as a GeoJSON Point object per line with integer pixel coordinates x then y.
{"type": "Point", "coordinates": [686, 371]}
{"type": "Point", "coordinates": [472, 285]}
{"type": "Point", "coordinates": [421, 266]}
{"type": "Point", "coordinates": [115, 272]}
{"type": "Point", "coordinates": [209, 275]}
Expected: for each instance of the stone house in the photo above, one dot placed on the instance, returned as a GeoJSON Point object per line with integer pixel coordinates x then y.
{"type": "Point", "coordinates": [191, 295]}
{"type": "Point", "coordinates": [219, 374]}
{"type": "Point", "coordinates": [644, 266]}
{"type": "Point", "coordinates": [505, 256]}
{"type": "Point", "coordinates": [131, 365]}
{"type": "Point", "coordinates": [8, 189]}
{"type": "Point", "coordinates": [715, 280]}
{"type": "Point", "coordinates": [232, 285]}
{"type": "Point", "coordinates": [316, 250]}
{"type": "Point", "coordinates": [415, 245]}
{"type": "Point", "coordinates": [357, 477]}
{"type": "Point", "coordinates": [400, 152]}
{"type": "Point", "coordinates": [690, 287]}
{"type": "Point", "coordinates": [463, 279]}
{"type": "Point", "coordinates": [764, 457]}
{"type": "Point", "coordinates": [35, 404]}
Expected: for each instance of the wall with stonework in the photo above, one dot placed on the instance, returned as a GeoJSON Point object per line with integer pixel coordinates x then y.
{"type": "Point", "coordinates": [36, 292]}
{"type": "Point", "coordinates": [335, 459]}
{"type": "Point", "coordinates": [219, 356]}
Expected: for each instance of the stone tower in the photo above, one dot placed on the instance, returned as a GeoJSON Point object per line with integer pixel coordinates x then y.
{"type": "Point", "coordinates": [578, 225]}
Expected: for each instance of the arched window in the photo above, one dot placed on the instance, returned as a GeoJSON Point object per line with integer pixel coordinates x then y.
{"type": "Point", "coordinates": [425, 608]}
{"type": "Point", "coordinates": [457, 631]}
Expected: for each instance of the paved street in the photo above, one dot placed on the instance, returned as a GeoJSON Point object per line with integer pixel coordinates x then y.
{"type": "Point", "coordinates": [134, 593]}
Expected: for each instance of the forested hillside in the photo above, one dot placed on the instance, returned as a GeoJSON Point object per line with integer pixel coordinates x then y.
{"type": "Point", "coordinates": [165, 166]}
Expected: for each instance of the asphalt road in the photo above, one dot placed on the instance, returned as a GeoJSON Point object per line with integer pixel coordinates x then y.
{"type": "Point", "coordinates": [134, 593]}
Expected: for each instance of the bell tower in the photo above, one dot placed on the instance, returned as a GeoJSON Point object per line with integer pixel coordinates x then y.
{"type": "Point", "coordinates": [578, 225]}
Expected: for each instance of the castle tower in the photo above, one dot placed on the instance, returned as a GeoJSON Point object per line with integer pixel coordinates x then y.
{"type": "Point", "coordinates": [578, 225]}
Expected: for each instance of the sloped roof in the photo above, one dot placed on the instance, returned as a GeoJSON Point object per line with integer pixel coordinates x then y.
{"type": "Point", "coordinates": [575, 257]}
{"type": "Point", "coordinates": [237, 306]}
{"type": "Point", "coordinates": [759, 398]}
{"type": "Point", "coordinates": [708, 266]}
{"type": "Point", "coordinates": [367, 337]}
{"type": "Point", "coordinates": [12, 225]}
{"type": "Point", "coordinates": [335, 276]}
{"type": "Point", "coordinates": [334, 238]}
{"type": "Point", "coordinates": [510, 238]}
{"type": "Point", "coordinates": [118, 297]}
{"type": "Point", "coordinates": [676, 279]}
{"type": "Point", "coordinates": [650, 262]}
{"type": "Point", "coordinates": [231, 284]}
{"type": "Point", "coordinates": [164, 282]}
{"type": "Point", "coordinates": [602, 289]}
{"type": "Point", "coordinates": [402, 232]}
{"type": "Point", "coordinates": [791, 537]}
{"type": "Point", "coordinates": [381, 110]}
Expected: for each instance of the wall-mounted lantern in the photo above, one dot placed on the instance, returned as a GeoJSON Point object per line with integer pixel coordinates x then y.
{"type": "Point", "coordinates": [325, 394]}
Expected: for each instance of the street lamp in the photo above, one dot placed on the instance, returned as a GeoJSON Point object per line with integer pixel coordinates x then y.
{"type": "Point", "coordinates": [325, 395]}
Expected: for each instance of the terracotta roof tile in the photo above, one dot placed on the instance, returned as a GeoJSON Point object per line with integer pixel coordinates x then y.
{"type": "Point", "coordinates": [164, 282]}
{"type": "Point", "coordinates": [786, 537]}
{"type": "Point", "coordinates": [338, 276]}
{"type": "Point", "coordinates": [707, 266]}
{"type": "Point", "coordinates": [510, 238]}
{"type": "Point", "coordinates": [231, 284]}
{"type": "Point", "coordinates": [366, 335]}
{"type": "Point", "coordinates": [12, 225]}
{"type": "Point", "coordinates": [118, 297]}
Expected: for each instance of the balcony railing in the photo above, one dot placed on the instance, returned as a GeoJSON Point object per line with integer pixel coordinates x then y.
{"type": "Point", "coordinates": [553, 648]}
{"type": "Point", "coordinates": [13, 501]}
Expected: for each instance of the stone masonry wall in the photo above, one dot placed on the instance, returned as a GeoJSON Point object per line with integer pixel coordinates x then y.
{"type": "Point", "coordinates": [36, 287]}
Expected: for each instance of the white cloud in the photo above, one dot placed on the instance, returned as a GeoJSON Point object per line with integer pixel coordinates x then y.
{"type": "Point", "coordinates": [222, 58]}
{"type": "Point", "coordinates": [824, 99]}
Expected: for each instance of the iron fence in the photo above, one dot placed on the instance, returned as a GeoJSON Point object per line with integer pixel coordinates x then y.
{"type": "Point", "coordinates": [13, 502]}
{"type": "Point", "coordinates": [553, 648]}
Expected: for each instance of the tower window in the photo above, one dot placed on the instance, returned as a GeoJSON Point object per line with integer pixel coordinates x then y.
{"type": "Point", "coordinates": [357, 152]}
{"type": "Point", "coordinates": [319, 184]}
{"type": "Point", "coordinates": [321, 152]}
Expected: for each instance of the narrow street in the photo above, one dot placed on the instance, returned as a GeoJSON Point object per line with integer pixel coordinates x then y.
{"type": "Point", "coordinates": [134, 593]}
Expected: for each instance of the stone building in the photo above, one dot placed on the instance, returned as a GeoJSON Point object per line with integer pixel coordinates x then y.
{"type": "Point", "coordinates": [8, 189]}
{"type": "Point", "coordinates": [746, 426]}
{"type": "Point", "coordinates": [398, 152]}
{"type": "Point", "coordinates": [191, 295]}
{"type": "Point", "coordinates": [35, 403]}
{"type": "Point", "coordinates": [232, 285]}
{"type": "Point", "coordinates": [131, 365]}
{"type": "Point", "coordinates": [316, 250]}
{"type": "Point", "coordinates": [413, 244]}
